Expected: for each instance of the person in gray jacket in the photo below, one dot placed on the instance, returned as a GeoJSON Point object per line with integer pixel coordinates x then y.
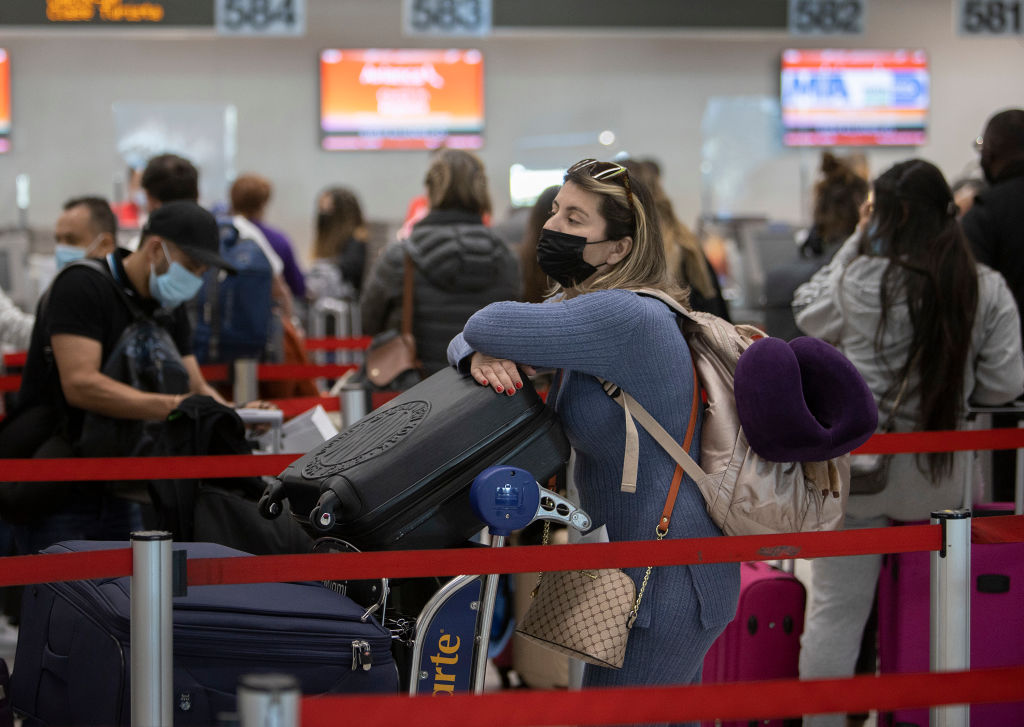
{"type": "Point", "coordinates": [460, 264]}
{"type": "Point", "coordinates": [930, 330]}
{"type": "Point", "coordinates": [15, 324]}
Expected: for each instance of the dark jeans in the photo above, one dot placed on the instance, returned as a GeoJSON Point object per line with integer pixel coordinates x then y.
{"type": "Point", "coordinates": [99, 517]}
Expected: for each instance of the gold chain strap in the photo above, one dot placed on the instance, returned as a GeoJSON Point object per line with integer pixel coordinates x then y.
{"type": "Point", "coordinates": [545, 539]}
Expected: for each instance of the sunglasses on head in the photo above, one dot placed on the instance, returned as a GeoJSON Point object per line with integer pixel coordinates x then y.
{"type": "Point", "coordinates": [603, 172]}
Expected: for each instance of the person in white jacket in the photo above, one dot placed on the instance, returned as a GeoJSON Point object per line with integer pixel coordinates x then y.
{"type": "Point", "coordinates": [15, 324]}
{"type": "Point", "coordinates": [930, 330]}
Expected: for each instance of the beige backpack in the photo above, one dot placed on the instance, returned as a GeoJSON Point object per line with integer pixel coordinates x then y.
{"type": "Point", "coordinates": [745, 493]}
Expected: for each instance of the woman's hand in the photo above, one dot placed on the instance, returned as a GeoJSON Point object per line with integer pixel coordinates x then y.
{"type": "Point", "coordinates": [500, 374]}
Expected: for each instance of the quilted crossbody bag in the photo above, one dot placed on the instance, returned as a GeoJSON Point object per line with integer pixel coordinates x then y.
{"type": "Point", "coordinates": [869, 473]}
{"type": "Point", "coordinates": [588, 614]}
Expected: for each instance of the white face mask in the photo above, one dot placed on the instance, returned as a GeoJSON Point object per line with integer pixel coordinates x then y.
{"type": "Point", "coordinates": [174, 287]}
{"type": "Point", "coordinates": [67, 254]}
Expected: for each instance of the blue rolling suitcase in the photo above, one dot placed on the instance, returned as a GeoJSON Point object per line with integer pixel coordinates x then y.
{"type": "Point", "coordinates": [73, 659]}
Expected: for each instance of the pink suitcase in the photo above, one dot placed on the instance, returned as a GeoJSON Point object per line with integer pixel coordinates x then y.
{"type": "Point", "coordinates": [763, 641]}
{"type": "Point", "coordinates": [997, 621]}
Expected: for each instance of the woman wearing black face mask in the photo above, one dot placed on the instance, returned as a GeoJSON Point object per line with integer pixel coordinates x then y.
{"type": "Point", "coordinates": [600, 245]}
{"type": "Point", "coordinates": [339, 250]}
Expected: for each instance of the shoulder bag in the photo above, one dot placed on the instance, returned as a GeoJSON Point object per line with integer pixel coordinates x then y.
{"type": "Point", "coordinates": [391, 359]}
{"type": "Point", "coordinates": [588, 614]}
{"type": "Point", "coordinates": [870, 472]}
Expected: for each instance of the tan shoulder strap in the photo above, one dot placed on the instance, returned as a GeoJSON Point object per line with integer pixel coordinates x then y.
{"type": "Point", "coordinates": [684, 462]}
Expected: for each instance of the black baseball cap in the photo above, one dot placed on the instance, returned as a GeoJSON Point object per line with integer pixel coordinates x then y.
{"type": "Point", "coordinates": [191, 228]}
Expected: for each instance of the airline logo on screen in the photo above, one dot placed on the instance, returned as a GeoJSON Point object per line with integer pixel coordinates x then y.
{"type": "Point", "coordinates": [111, 13]}
{"type": "Point", "coordinates": [77, 11]}
{"type": "Point", "coordinates": [401, 99]}
{"type": "Point", "coordinates": [852, 98]}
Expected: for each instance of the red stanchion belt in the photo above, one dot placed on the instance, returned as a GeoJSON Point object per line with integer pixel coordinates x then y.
{"type": "Point", "coordinates": [23, 570]}
{"type": "Point", "coordinates": [41, 470]}
{"type": "Point", "coordinates": [282, 372]}
{"type": "Point", "coordinates": [18, 358]}
{"type": "Point", "coordinates": [738, 701]}
{"type": "Point", "coordinates": [946, 441]}
{"type": "Point", "coordinates": [84, 469]}
{"type": "Point", "coordinates": [419, 563]}
{"type": "Point", "coordinates": [1001, 529]}
{"type": "Point", "coordinates": [453, 561]}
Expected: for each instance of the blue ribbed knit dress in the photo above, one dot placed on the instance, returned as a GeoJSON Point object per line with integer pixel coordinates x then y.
{"type": "Point", "coordinates": [634, 342]}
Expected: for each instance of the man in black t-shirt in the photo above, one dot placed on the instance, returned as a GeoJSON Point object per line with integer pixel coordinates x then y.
{"type": "Point", "coordinates": [89, 309]}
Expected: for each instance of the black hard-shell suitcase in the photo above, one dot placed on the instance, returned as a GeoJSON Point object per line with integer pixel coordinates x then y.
{"type": "Point", "coordinates": [73, 659]}
{"type": "Point", "coordinates": [400, 477]}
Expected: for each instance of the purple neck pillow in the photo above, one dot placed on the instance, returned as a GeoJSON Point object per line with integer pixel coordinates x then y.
{"type": "Point", "coordinates": [802, 401]}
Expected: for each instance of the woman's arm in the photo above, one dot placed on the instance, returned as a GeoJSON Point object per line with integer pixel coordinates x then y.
{"type": "Point", "coordinates": [815, 303]}
{"type": "Point", "coordinates": [589, 333]}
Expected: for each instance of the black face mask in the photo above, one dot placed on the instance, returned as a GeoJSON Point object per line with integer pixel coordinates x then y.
{"type": "Point", "coordinates": [560, 256]}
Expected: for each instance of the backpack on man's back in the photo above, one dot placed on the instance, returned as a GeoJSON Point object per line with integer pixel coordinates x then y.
{"type": "Point", "coordinates": [235, 316]}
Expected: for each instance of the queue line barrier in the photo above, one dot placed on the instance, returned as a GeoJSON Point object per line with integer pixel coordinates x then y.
{"type": "Point", "coordinates": [593, 707]}
{"type": "Point", "coordinates": [220, 372]}
{"type": "Point", "coordinates": [28, 569]}
{"type": "Point", "coordinates": [81, 469]}
{"type": "Point", "coordinates": [18, 359]}
{"type": "Point", "coordinates": [741, 701]}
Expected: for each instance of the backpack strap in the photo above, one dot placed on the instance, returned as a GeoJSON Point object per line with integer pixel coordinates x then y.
{"type": "Point", "coordinates": [105, 268]}
{"type": "Point", "coordinates": [633, 410]}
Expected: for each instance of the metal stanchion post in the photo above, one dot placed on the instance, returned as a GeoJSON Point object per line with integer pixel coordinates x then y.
{"type": "Point", "coordinates": [268, 700]}
{"type": "Point", "coordinates": [246, 381]}
{"type": "Point", "coordinates": [951, 607]}
{"type": "Point", "coordinates": [152, 629]}
{"type": "Point", "coordinates": [355, 403]}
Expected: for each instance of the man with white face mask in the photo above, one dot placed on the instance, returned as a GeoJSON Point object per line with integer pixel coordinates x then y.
{"type": "Point", "coordinates": [86, 228]}
{"type": "Point", "coordinates": [114, 352]}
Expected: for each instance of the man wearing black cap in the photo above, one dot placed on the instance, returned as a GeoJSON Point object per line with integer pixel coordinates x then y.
{"type": "Point", "coordinates": [117, 344]}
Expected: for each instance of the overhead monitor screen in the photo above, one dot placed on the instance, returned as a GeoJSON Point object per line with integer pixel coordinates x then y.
{"type": "Point", "coordinates": [401, 99]}
{"type": "Point", "coordinates": [525, 185]}
{"type": "Point", "coordinates": [5, 101]}
{"type": "Point", "coordinates": [854, 97]}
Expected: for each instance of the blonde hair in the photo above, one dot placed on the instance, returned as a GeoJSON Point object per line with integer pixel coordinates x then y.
{"type": "Point", "coordinates": [644, 265]}
{"type": "Point", "coordinates": [683, 254]}
{"type": "Point", "coordinates": [456, 180]}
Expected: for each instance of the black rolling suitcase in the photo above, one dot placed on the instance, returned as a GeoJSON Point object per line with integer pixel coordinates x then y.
{"type": "Point", "coordinates": [73, 660]}
{"type": "Point", "coordinates": [400, 477]}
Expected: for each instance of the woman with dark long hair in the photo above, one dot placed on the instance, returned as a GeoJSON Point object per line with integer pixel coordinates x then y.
{"type": "Point", "coordinates": [929, 329]}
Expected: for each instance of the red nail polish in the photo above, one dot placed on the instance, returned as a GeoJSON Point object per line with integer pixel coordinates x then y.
{"type": "Point", "coordinates": [511, 392]}
{"type": "Point", "coordinates": [519, 384]}
{"type": "Point", "coordinates": [484, 382]}
{"type": "Point", "coordinates": [499, 389]}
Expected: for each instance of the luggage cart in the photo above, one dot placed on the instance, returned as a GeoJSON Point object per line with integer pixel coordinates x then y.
{"type": "Point", "coordinates": [453, 631]}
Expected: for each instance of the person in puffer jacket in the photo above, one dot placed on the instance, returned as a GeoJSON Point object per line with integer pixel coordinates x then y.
{"type": "Point", "coordinates": [460, 264]}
